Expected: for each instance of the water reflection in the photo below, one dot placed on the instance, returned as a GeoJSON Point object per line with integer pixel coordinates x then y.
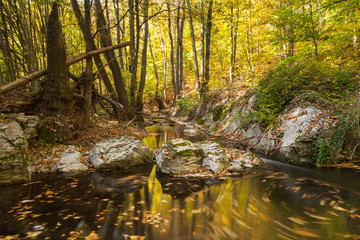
{"type": "Point", "coordinates": [261, 205]}
{"type": "Point", "coordinates": [161, 133]}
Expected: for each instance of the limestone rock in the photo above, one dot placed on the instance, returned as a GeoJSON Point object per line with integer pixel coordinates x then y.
{"type": "Point", "coordinates": [302, 127]}
{"type": "Point", "coordinates": [70, 161]}
{"type": "Point", "coordinates": [28, 124]}
{"type": "Point", "coordinates": [190, 130]}
{"type": "Point", "coordinates": [119, 153]}
{"type": "Point", "coordinates": [215, 158]}
{"type": "Point", "coordinates": [240, 159]}
{"type": "Point", "coordinates": [14, 165]}
{"type": "Point", "coordinates": [179, 156]}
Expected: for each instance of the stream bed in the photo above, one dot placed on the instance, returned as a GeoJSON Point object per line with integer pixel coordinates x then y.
{"type": "Point", "coordinates": [275, 201]}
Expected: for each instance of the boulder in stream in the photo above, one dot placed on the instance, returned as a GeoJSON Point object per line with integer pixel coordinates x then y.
{"type": "Point", "coordinates": [70, 161]}
{"type": "Point", "coordinates": [214, 157]}
{"type": "Point", "coordinates": [119, 153]}
{"type": "Point", "coordinates": [240, 159]}
{"type": "Point", "coordinates": [179, 156]}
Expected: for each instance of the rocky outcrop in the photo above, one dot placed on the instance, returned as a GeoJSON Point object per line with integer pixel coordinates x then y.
{"type": "Point", "coordinates": [28, 124]}
{"type": "Point", "coordinates": [119, 153]}
{"type": "Point", "coordinates": [70, 161]}
{"type": "Point", "coordinates": [14, 165]}
{"type": "Point", "coordinates": [241, 159]}
{"type": "Point", "coordinates": [186, 159]}
{"type": "Point", "coordinates": [179, 156]}
{"type": "Point", "coordinates": [293, 139]}
{"type": "Point", "coordinates": [214, 157]}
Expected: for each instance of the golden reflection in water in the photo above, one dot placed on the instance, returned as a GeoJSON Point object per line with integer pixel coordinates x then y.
{"type": "Point", "coordinates": [251, 207]}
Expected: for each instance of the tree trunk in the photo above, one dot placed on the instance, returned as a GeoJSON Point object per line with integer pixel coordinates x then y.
{"type": "Point", "coordinates": [157, 96]}
{"type": "Point", "coordinates": [5, 45]}
{"type": "Point", "coordinates": [118, 33]}
{"type": "Point", "coordinates": [165, 63]}
{"type": "Point", "coordinates": [28, 78]}
{"type": "Point", "coordinates": [133, 64]}
{"type": "Point", "coordinates": [203, 31]}
{"type": "Point", "coordinates": [105, 39]}
{"type": "Point", "coordinates": [98, 62]}
{"type": "Point", "coordinates": [181, 61]}
{"type": "Point", "coordinates": [193, 42]}
{"type": "Point", "coordinates": [204, 85]}
{"type": "Point", "coordinates": [173, 83]}
{"type": "Point", "coordinates": [139, 103]}
{"type": "Point", "coordinates": [177, 70]}
{"type": "Point", "coordinates": [57, 92]}
{"type": "Point", "coordinates": [88, 70]}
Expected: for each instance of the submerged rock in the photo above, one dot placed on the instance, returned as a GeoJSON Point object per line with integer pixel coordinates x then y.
{"type": "Point", "coordinates": [121, 152]}
{"type": "Point", "coordinates": [179, 156]}
{"type": "Point", "coordinates": [14, 165]}
{"type": "Point", "coordinates": [214, 157]}
{"type": "Point", "coordinates": [70, 161]}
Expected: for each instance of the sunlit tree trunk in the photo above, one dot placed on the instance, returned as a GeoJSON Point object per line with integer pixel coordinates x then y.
{"type": "Point", "coordinates": [193, 43]}
{"type": "Point", "coordinates": [181, 56]}
{"type": "Point", "coordinates": [139, 103]}
{"type": "Point", "coordinates": [157, 79]}
{"type": "Point", "coordinates": [173, 83]}
{"type": "Point", "coordinates": [202, 33]}
{"type": "Point", "coordinates": [118, 33]}
{"type": "Point", "coordinates": [205, 84]}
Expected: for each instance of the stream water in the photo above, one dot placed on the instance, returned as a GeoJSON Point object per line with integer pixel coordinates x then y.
{"type": "Point", "coordinates": [276, 201]}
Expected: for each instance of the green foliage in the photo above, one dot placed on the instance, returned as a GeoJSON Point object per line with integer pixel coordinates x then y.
{"type": "Point", "coordinates": [201, 122]}
{"type": "Point", "coordinates": [186, 104]}
{"type": "Point", "coordinates": [218, 113]}
{"type": "Point", "coordinates": [326, 150]}
{"type": "Point", "coordinates": [280, 87]}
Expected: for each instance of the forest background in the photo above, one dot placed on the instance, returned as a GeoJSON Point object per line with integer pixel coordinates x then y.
{"type": "Point", "coordinates": [178, 51]}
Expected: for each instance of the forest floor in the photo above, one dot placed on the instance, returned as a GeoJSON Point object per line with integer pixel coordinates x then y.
{"type": "Point", "coordinates": [43, 156]}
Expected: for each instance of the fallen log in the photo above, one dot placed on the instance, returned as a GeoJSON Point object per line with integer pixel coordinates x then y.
{"type": "Point", "coordinates": [28, 78]}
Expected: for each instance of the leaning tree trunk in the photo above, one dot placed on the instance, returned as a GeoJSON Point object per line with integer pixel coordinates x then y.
{"type": "Point", "coordinates": [105, 39]}
{"type": "Point", "coordinates": [98, 62]}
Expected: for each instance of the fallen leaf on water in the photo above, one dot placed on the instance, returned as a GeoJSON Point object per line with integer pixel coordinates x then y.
{"type": "Point", "coordinates": [298, 220]}
{"type": "Point", "coordinates": [316, 216]}
{"type": "Point", "coordinates": [340, 208]}
{"type": "Point", "coordinates": [305, 233]}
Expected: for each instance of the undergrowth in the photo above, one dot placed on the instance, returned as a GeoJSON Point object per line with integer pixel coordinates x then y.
{"type": "Point", "coordinates": [283, 84]}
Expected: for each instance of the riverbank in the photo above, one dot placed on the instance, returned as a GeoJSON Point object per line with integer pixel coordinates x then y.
{"type": "Point", "coordinates": [44, 157]}
{"type": "Point", "coordinates": [310, 130]}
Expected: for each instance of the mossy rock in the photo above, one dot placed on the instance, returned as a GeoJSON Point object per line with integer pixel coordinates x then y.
{"type": "Point", "coordinates": [179, 156]}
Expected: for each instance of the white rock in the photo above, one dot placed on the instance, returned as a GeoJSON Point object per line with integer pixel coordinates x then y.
{"type": "Point", "coordinates": [70, 161]}
{"type": "Point", "coordinates": [120, 153]}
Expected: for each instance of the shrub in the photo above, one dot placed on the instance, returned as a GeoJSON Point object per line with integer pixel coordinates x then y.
{"type": "Point", "coordinates": [186, 104]}
{"type": "Point", "coordinates": [278, 89]}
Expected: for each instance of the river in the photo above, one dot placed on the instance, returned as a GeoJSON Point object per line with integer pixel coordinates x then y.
{"type": "Point", "coordinates": [276, 201]}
